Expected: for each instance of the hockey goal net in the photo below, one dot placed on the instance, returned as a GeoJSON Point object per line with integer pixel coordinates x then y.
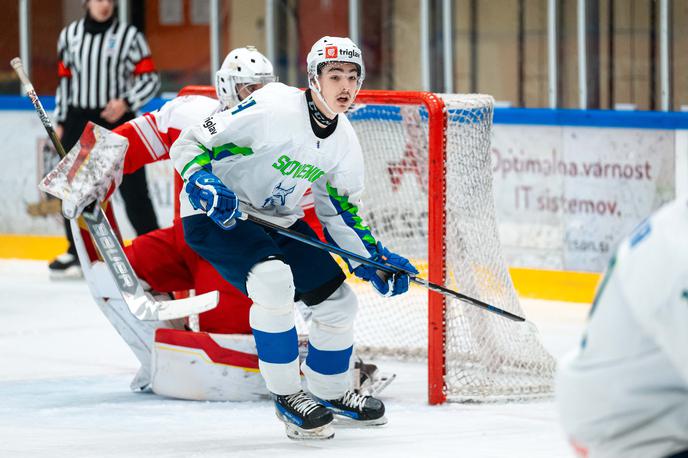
{"type": "Point", "coordinates": [429, 197]}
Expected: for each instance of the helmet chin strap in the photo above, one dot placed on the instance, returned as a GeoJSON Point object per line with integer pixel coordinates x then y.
{"type": "Point", "coordinates": [315, 88]}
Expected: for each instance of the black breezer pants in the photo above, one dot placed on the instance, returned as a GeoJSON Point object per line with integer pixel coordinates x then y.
{"type": "Point", "coordinates": [134, 187]}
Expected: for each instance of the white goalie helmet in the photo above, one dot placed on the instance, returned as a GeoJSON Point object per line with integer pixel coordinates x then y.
{"type": "Point", "coordinates": [333, 49]}
{"type": "Point", "coordinates": [242, 66]}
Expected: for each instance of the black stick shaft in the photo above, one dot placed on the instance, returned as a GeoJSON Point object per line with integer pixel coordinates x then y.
{"type": "Point", "coordinates": [384, 267]}
{"type": "Point", "coordinates": [462, 297]}
{"type": "Point", "coordinates": [98, 225]}
{"type": "Point", "coordinates": [18, 67]}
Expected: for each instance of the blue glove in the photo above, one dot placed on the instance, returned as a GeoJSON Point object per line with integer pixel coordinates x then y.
{"type": "Point", "coordinates": [208, 193]}
{"type": "Point", "coordinates": [385, 283]}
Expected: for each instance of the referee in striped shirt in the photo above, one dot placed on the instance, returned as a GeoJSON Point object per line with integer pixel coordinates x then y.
{"type": "Point", "coordinates": [106, 73]}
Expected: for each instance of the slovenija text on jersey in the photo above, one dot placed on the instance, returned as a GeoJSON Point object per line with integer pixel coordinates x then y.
{"type": "Point", "coordinates": [296, 169]}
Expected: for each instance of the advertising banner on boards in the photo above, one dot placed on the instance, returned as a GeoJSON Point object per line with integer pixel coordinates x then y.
{"type": "Point", "coordinates": [565, 195]}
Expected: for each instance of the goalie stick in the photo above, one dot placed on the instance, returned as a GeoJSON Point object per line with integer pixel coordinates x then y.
{"type": "Point", "coordinates": [141, 304]}
{"type": "Point", "coordinates": [380, 266]}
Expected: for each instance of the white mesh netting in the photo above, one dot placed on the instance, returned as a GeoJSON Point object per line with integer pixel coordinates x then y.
{"type": "Point", "coordinates": [487, 357]}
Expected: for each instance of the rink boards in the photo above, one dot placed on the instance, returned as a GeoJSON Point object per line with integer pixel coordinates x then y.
{"type": "Point", "coordinates": [567, 184]}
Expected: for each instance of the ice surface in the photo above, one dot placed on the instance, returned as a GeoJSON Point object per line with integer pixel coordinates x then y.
{"type": "Point", "coordinates": [64, 392]}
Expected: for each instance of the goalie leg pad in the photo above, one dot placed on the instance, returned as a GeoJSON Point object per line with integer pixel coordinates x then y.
{"type": "Point", "coordinates": [206, 367]}
{"type": "Point", "coordinates": [271, 286]}
{"type": "Point", "coordinates": [137, 334]}
{"type": "Point", "coordinates": [327, 366]}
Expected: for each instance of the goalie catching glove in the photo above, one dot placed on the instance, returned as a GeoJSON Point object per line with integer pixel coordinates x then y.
{"type": "Point", "coordinates": [387, 284]}
{"type": "Point", "coordinates": [208, 193]}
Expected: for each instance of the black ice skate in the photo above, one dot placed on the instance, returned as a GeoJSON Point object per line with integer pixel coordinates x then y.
{"type": "Point", "coordinates": [304, 418]}
{"type": "Point", "coordinates": [357, 410]}
{"type": "Point", "coordinates": [65, 266]}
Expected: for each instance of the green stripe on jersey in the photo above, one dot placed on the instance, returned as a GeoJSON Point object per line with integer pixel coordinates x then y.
{"type": "Point", "coordinates": [230, 149]}
{"type": "Point", "coordinates": [350, 214]}
{"type": "Point", "coordinates": [200, 160]}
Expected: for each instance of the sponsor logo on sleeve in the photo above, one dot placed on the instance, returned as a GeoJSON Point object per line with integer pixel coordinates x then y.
{"type": "Point", "coordinates": [210, 125]}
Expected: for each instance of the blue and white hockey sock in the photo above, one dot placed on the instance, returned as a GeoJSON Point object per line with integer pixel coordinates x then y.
{"type": "Point", "coordinates": [330, 345]}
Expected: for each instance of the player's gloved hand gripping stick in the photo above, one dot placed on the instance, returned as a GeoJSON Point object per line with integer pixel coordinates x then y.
{"type": "Point", "coordinates": [208, 193]}
{"type": "Point", "coordinates": [141, 304]}
{"type": "Point", "coordinates": [385, 283]}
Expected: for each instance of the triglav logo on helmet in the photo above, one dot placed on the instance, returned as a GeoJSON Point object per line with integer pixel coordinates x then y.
{"type": "Point", "coordinates": [350, 53]}
{"type": "Point", "coordinates": [331, 52]}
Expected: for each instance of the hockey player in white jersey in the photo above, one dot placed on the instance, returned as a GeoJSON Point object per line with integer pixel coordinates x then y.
{"type": "Point", "coordinates": [266, 153]}
{"type": "Point", "coordinates": [624, 391]}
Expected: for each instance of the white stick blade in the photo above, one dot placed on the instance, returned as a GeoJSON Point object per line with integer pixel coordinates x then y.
{"type": "Point", "coordinates": [182, 308]}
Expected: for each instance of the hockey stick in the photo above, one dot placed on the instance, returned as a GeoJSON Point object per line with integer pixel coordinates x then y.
{"type": "Point", "coordinates": [380, 266]}
{"type": "Point", "coordinates": [141, 304]}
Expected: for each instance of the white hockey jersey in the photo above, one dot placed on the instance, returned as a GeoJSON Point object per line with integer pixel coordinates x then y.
{"type": "Point", "coordinates": [624, 392]}
{"type": "Point", "coordinates": [265, 151]}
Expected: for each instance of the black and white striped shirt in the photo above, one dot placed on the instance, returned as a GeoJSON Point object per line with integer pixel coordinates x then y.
{"type": "Point", "coordinates": [103, 61]}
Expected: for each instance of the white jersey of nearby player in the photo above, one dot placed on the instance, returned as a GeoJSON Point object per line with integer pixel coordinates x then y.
{"type": "Point", "coordinates": [624, 392]}
{"type": "Point", "coordinates": [266, 152]}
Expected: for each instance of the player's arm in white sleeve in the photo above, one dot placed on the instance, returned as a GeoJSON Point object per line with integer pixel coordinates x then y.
{"type": "Point", "coordinates": [218, 137]}
{"type": "Point", "coordinates": [653, 266]}
{"type": "Point", "coordinates": [225, 136]}
{"type": "Point", "coordinates": [337, 198]}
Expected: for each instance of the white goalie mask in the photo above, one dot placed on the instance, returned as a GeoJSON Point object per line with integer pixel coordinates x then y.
{"type": "Point", "coordinates": [242, 66]}
{"type": "Point", "coordinates": [330, 50]}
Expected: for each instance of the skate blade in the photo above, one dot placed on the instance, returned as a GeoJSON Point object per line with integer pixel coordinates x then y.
{"type": "Point", "coordinates": [324, 432]}
{"type": "Point", "coordinates": [298, 434]}
{"type": "Point", "coordinates": [342, 421]}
